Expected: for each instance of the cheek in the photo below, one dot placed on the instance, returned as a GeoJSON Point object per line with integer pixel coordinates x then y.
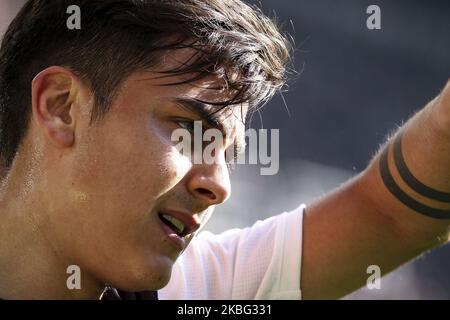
{"type": "Point", "coordinates": [166, 166]}
{"type": "Point", "coordinates": [130, 165]}
{"type": "Point", "coordinates": [169, 170]}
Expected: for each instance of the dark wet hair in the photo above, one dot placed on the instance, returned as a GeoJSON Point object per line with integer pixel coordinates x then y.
{"type": "Point", "coordinates": [119, 37]}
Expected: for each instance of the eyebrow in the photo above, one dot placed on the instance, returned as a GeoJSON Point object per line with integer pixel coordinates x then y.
{"type": "Point", "coordinates": [204, 111]}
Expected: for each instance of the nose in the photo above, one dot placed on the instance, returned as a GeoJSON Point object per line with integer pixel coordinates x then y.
{"type": "Point", "coordinates": [209, 184]}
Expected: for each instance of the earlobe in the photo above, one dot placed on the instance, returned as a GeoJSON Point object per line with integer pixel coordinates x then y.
{"type": "Point", "coordinates": [54, 92]}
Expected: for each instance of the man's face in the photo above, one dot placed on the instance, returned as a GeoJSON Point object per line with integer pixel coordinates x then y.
{"type": "Point", "coordinates": [125, 172]}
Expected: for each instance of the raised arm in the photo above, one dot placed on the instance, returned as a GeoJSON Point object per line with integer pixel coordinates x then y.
{"type": "Point", "coordinates": [393, 211]}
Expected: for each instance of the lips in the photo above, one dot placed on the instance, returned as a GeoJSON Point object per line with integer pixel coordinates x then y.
{"type": "Point", "coordinates": [173, 223]}
{"type": "Point", "coordinates": [181, 223]}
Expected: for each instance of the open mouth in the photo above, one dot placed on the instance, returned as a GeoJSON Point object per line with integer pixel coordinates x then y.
{"type": "Point", "coordinates": [174, 224]}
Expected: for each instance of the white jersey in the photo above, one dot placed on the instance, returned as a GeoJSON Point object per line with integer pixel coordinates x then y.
{"type": "Point", "coordinates": [259, 262]}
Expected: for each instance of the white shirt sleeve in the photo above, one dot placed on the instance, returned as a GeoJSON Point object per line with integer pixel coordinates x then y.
{"type": "Point", "coordinates": [259, 262]}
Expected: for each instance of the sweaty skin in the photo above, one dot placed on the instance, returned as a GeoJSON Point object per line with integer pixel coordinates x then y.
{"type": "Point", "coordinates": [89, 195]}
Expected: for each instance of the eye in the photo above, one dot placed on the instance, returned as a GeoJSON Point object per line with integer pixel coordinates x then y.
{"type": "Point", "coordinates": [188, 125]}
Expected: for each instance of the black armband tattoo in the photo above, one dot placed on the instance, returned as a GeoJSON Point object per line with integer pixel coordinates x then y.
{"type": "Point", "coordinates": [412, 182]}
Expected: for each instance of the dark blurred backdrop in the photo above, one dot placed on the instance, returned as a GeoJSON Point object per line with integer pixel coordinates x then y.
{"type": "Point", "coordinates": [356, 84]}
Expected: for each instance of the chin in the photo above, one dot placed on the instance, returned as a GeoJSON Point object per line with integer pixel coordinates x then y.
{"type": "Point", "coordinates": [146, 276]}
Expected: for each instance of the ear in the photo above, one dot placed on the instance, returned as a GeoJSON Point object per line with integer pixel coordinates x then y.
{"type": "Point", "coordinates": [54, 93]}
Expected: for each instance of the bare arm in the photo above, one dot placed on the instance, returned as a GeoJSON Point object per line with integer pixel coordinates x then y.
{"type": "Point", "coordinates": [383, 216]}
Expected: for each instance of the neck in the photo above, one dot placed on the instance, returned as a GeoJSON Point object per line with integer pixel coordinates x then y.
{"type": "Point", "coordinates": [31, 266]}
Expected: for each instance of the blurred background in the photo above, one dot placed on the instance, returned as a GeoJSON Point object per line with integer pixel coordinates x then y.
{"type": "Point", "coordinates": [353, 87]}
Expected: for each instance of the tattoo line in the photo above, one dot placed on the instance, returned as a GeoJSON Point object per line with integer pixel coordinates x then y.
{"type": "Point", "coordinates": [402, 196]}
{"type": "Point", "coordinates": [412, 181]}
